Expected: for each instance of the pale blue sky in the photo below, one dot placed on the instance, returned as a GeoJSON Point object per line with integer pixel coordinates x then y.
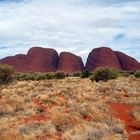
{"type": "Point", "coordinates": [77, 26]}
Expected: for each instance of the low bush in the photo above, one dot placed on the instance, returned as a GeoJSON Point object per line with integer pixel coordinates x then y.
{"type": "Point", "coordinates": [39, 76]}
{"type": "Point", "coordinates": [85, 74]}
{"type": "Point", "coordinates": [104, 74]}
{"type": "Point", "coordinates": [6, 74]}
{"type": "Point", "coordinates": [137, 74]}
{"type": "Point", "coordinates": [126, 73]}
{"type": "Point", "coordinates": [31, 76]}
{"type": "Point", "coordinates": [25, 76]}
{"type": "Point", "coordinates": [77, 74]}
{"type": "Point", "coordinates": [59, 75]}
{"type": "Point", "coordinates": [49, 76]}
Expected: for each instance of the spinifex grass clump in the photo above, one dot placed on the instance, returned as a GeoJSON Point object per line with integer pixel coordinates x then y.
{"type": "Point", "coordinates": [6, 74]}
{"type": "Point", "coordinates": [104, 74]}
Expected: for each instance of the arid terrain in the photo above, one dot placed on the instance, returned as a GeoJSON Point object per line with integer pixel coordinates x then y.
{"type": "Point", "coordinates": [70, 109]}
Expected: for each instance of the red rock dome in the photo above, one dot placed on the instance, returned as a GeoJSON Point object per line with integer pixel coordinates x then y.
{"type": "Point", "coordinates": [102, 57]}
{"type": "Point", "coordinates": [127, 63]}
{"type": "Point", "coordinates": [69, 62]}
{"type": "Point", "coordinates": [42, 59]}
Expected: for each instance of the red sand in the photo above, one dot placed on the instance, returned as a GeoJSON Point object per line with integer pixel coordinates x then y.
{"type": "Point", "coordinates": [37, 118]}
{"type": "Point", "coordinates": [36, 101]}
{"type": "Point", "coordinates": [121, 112]}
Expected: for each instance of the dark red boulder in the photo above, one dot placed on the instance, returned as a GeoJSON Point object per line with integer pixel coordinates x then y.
{"type": "Point", "coordinates": [127, 63]}
{"type": "Point", "coordinates": [102, 57]}
{"type": "Point", "coordinates": [69, 62]}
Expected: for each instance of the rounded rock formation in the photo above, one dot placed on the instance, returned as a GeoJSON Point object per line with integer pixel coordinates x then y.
{"type": "Point", "coordinates": [69, 62]}
{"type": "Point", "coordinates": [46, 60]}
{"type": "Point", "coordinates": [19, 62]}
{"type": "Point", "coordinates": [127, 63]}
{"type": "Point", "coordinates": [42, 59]}
{"type": "Point", "coordinates": [102, 57]}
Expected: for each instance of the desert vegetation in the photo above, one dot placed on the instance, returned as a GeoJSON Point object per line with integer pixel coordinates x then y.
{"type": "Point", "coordinates": [35, 76]}
{"type": "Point", "coordinates": [57, 106]}
{"type": "Point", "coordinates": [104, 74]}
{"type": "Point", "coordinates": [137, 74]}
{"type": "Point", "coordinates": [6, 74]}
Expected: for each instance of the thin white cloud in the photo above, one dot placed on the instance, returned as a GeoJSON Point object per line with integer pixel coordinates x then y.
{"type": "Point", "coordinates": [69, 25]}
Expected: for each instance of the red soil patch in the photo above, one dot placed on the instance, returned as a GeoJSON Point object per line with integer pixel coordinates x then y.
{"type": "Point", "coordinates": [88, 118]}
{"type": "Point", "coordinates": [61, 97]}
{"type": "Point", "coordinates": [37, 118]}
{"type": "Point", "coordinates": [0, 97]}
{"type": "Point", "coordinates": [66, 110]}
{"type": "Point", "coordinates": [36, 101]}
{"type": "Point", "coordinates": [121, 112]}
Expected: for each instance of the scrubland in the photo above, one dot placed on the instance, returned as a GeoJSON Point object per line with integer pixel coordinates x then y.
{"type": "Point", "coordinates": [68, 109]}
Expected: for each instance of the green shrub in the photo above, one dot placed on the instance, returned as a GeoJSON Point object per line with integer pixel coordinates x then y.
{"type": "Point", "coordinates": [125, 73]}
{"type": "Point", "coordinates": [26, 76]}
{"type": "Point", "coordinates": [30, 76]}
{"type": "Point", "coordinates": [49, 76]}
{"type": "Point", "coordinates": [77, 74]}
{"type": "Point", "coordinates": [85, 74]}
{"type": "Point", "coordinates": [6, 74]}
{"type": "Point", "coordinates": [58, 75]}
{"type": "Point", "coordinates": [104, 74]}
{"type": "Point", "coordinates": [40, 76]}
{"type": "Point", "coordinates": [137, 74]}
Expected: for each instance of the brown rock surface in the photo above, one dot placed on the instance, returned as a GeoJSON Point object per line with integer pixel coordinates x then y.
{"type": "Point", "coordinates": [127, 63]}
{"type": "Point", "coordinates": [102, 57]}
{"type": "Point", "coordinates": [69, 62]}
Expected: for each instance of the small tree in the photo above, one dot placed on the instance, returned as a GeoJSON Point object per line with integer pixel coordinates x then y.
{"type": "Point", "coordinates": [77, 74]}
{"type": "Point", "coordinates": [85, 74]}
{"type": "Point", "coordinates": [137, 74]}
{"type": "Point", "coordinates": [6, 74]}
{"type": "Point", "coordinates": [104, 74]}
